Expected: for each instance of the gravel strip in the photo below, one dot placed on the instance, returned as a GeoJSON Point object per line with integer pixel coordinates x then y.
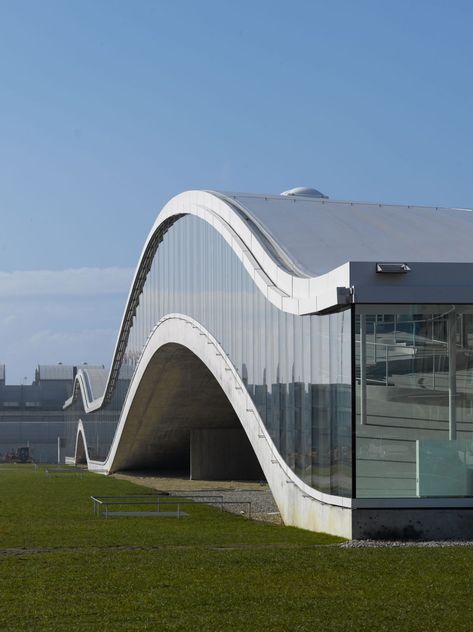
{"type": "Point", "coordinates": [263, 506]}
{"type": "Point", "coordinates": [377, 544]}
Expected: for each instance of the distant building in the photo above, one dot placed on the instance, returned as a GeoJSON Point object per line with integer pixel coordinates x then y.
{"type": "Point", "coordinates": [32, 414]}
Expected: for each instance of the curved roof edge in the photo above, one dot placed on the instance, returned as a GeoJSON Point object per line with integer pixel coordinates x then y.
{"type": "Point", "coordinates": [243, 221]}
{"type": "Point", "coordinates": [275, 274]}
{"type": "Point", "coordinates": [284, 283]}
{"type": "Point", "coordinates": [91, 382]}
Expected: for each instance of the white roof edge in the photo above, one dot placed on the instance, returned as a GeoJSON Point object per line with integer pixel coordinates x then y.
{"type": "Point", "coordinates": [82, 384]}
{"type": "Point", "coordinates": [297, 295]}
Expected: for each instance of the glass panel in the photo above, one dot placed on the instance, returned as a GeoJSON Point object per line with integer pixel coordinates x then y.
{"type": "Point", "coordinates": [414, 390]}
{"type": "Point", "coordinates": [297, 369]}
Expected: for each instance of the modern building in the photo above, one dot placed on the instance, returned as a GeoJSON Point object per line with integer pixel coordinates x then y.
{"type": "Point", "coordinates": [32, 415]}
{"type": "Point", "coordinates": [326, 345]}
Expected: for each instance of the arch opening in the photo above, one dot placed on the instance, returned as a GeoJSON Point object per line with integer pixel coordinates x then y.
{"type": "Point", "coordinates": [80, 452]}
{"type": "Point", "coordinates": [181, 421]}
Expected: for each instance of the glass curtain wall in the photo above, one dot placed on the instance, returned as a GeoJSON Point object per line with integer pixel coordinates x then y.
{"type": "Point", "coordinates": [99, 426]}
{"type": "Point", "coordinates": [414, 400]}
{"type": "Point", "coordinates": [297, 369]}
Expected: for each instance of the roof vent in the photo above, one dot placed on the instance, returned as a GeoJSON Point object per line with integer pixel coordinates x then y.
{"type": "Point", "coordinates": [305, 192]}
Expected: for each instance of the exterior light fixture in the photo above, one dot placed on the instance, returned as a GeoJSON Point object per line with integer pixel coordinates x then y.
{"type": "Point", "coordinates": [392, 268]}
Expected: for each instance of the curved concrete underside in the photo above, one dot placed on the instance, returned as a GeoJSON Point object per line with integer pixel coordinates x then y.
{"type": "Point", "coordinates": [176, 395]}
{"type": "Point", "coordinates": [185, 383]}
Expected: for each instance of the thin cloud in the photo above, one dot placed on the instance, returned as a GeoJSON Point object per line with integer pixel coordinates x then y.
{"type": "Point", "coordinates": [70, 316]}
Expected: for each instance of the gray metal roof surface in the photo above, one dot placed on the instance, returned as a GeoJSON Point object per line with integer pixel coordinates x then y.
{"type": "Point", "coordinates": [97, 379]}
{"type": "Point", "coordinates": [55, 372]}
{"type": "Point", "coordinates": [320, 235]}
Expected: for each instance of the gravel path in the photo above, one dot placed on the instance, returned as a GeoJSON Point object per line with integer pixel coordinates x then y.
{"type": "Point", "coordinates": [239, 493]}
{"type": "Point", "coordinates": [393, 544]}
{"type": "Point", "coordinates": [263, 506]}
{"type": "Point", "coordinates": [262, 502]}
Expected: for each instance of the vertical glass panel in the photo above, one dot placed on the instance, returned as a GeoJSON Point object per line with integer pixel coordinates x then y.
{"type": "Point", "coordinates": [414, 394]}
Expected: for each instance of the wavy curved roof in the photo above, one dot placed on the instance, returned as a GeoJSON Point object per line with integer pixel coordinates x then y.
{"type": "Point", "coordinates": [306, 256]}
{"type": "Point", "coordinates": [313, 254]}
{"type": "Point", "coordinates": [319, 235]}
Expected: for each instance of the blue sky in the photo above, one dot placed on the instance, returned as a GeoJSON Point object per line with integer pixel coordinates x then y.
{"type": "Point", "coordinates": [109, 108]}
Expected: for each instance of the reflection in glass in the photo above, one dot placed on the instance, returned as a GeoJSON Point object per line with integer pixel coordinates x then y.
{"type": "Point", "coordinates": [414, 410]}
{"type": "Point", "coordinates": [297, 369]}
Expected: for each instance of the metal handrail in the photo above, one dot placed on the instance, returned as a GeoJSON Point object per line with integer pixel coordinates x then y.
{"type": "Point", "coordinates": [98, 502]}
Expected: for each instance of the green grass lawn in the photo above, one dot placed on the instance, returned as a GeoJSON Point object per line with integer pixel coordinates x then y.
{"type": "Point", "coordinates": [62, 568]}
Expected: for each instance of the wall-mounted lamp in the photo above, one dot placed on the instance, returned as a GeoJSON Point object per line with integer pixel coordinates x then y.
{"type": "Point", "coordinates": [392, 268]}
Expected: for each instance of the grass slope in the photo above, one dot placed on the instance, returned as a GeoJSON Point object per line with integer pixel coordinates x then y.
{"type": "Point", "coordinates": [62, 568]}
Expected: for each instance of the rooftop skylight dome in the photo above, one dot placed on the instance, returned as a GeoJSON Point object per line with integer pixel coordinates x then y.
{"type": "Point", "coordinates": [305, 192]}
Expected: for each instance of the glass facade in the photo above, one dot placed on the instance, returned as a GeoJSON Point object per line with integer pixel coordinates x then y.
{"type": "Point", "coordinates": [408, 369]}
{"type": "Point", "coordinates": [414, 400]}
{"type": "Point", "coordinates": [297, 369]}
